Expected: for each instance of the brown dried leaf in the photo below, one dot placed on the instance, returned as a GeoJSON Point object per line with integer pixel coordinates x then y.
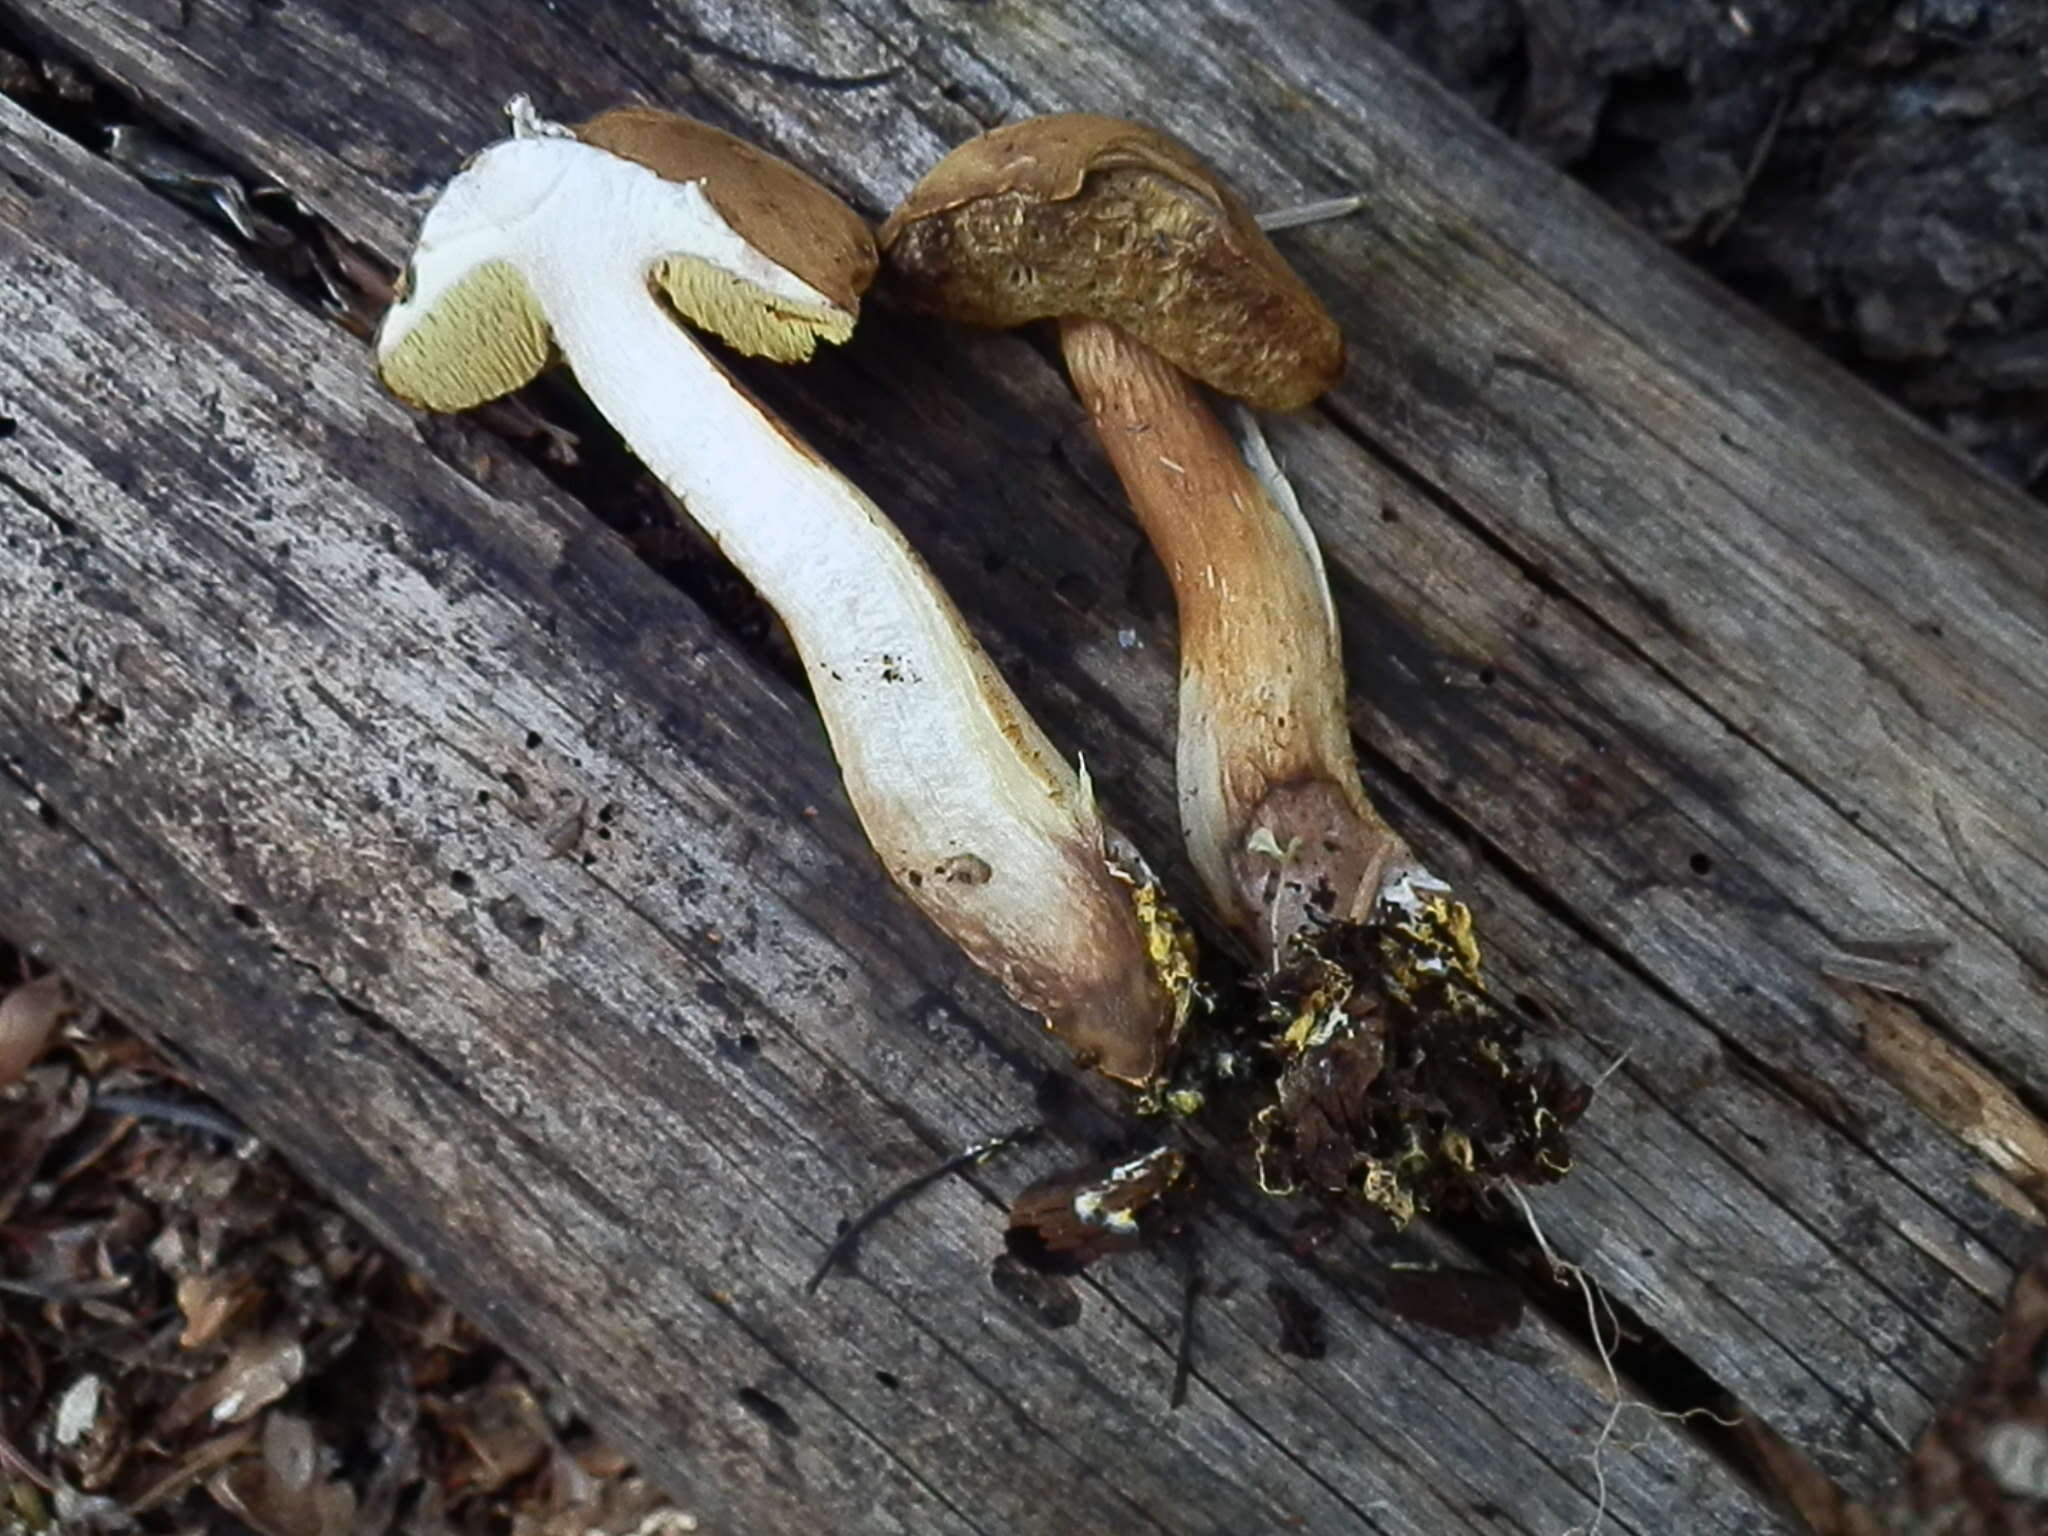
{"type": "Point", "coordinates": [29, 1016]}
{"type": "Point", "coordinates": [209, 1303]}
{"type": "Point", "coordinates": [281, 1492]}
{"type": "Point", "coordinates": [257, 1374]}
{"type": "Point", "coordinates": [501, 1426]}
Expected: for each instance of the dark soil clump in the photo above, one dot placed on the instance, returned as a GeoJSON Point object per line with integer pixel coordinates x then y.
{"type": "Point", "coordinates": [1402, 1079]}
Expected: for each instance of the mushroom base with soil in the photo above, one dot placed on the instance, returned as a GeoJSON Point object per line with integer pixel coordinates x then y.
{"type": "Point", "coordinates": [1373, 1060]}
{"type": "Point", "coordinates": [1372, 1063]}
{"type": "Point", "coordinates": [1399, 1078]}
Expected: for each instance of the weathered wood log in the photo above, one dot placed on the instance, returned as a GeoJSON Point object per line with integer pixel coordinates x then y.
{"type": "Point", "coordinates": [461, 857]}
{"type": "Point", "coordinates": [469, 861]}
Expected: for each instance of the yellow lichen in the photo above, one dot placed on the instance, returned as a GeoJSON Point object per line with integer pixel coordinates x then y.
{"type": "Point", "coordinates": [1457, 921]}
{"type": "Point", "coordinates": [1457, 1146]}
{"type": "Point", "coordinates": [1320, 1013]}
{"type": "Point", "coordinates": [1186, 1102]}
{"type": "Point", "coordinates": [1262, 1146]}
{"type": "Point", "coordinates": [1382, 1187]}
{"type": "Point", "coordinates": [1169, 945]}
{"type": "Point", "coordinates": [1414, 1157]}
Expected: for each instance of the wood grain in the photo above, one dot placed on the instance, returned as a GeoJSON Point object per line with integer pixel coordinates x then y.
{"type": "Point", "coordinates": [295, 714]}
{"type": "Point", "coordinates": [1640, 606]}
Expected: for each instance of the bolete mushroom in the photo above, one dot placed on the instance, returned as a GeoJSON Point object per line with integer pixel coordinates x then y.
{"type": "Point", "coordinates": [595, 244]}
{"type": "Point", "coordinates": [1158, 276]}
{"type": "Point", "coordinates": [1394, 1068]}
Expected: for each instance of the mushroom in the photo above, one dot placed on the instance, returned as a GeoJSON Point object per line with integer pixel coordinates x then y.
{"type": "Point", "coordinates": [595, 244]}
{"type": "Point", "coordinates": [1158, 276]}
{"type": "Point", "coordinates": [1393, 1069]}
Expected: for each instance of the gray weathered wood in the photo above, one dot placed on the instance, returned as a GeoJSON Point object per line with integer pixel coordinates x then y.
{"type": "Point", "coordinates": [1650, 590]}
{"type": "Point", "coordinates": [294, 718]}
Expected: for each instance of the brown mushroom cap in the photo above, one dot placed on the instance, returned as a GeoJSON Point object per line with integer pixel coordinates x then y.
{"type": "Point", "coordinates": [794, 220]}
{"type": "Point", "coordinates": [1091, 216]}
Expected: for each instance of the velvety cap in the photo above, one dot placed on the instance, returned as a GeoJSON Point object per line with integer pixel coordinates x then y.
{"type": "Point", "coordinates": [1077, 215]}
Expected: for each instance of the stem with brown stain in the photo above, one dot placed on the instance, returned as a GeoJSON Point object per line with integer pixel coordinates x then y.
{"type": "Point", "coordinates": [1276, 820]}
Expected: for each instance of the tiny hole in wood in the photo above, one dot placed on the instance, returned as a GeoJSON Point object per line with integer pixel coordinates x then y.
{"type": "Point", "coordinates": [767, 1410]}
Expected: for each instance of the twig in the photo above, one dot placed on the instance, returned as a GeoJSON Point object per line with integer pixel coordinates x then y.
{"type": "Point", "coordinates": [1723, 221]}
{"type": "Point", "coordinates": [193, 1117]}
{"type": "Point", "coordinates": [1609, 1070]}
{"type": "Point", "coordinates": [980, 1152]}
{"type": "Point", "coordinates": [1184, 1354]}
{"type": "Point", "coordinates": [13, 1458]}
{"type": "Point", "coordinates": [1313, 213]}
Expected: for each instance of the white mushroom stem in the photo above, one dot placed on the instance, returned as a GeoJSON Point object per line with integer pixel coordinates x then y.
{"type": "Point", "coordinates": [1275, 818]}
{"type": "Point", "coordinates": [954, 782]}
{"type": "Point", "coordinates": [970, 807]}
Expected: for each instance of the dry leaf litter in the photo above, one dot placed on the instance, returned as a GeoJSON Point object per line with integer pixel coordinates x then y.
{"type": "Point", "coordinates": [192, 1341]}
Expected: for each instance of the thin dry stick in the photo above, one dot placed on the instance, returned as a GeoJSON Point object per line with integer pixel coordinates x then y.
{"type": "Point", "coordinates": [970, 1157]}
{"type": "Point", "coordinates": [1313, 213]}
{"type": "Point", "coordinates": [1610, 1069]}
{"type": "Point", "coordinates": [10, 1457]}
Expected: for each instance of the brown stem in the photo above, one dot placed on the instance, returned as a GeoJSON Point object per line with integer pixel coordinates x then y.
{"type": "Point", "coordinates": [1275, 818]}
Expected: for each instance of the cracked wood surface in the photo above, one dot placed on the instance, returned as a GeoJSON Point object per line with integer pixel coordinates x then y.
{"type": "Point", "coordinates": [294, 715]}
{"type": "Point", "coordinates": [1702, 674]}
